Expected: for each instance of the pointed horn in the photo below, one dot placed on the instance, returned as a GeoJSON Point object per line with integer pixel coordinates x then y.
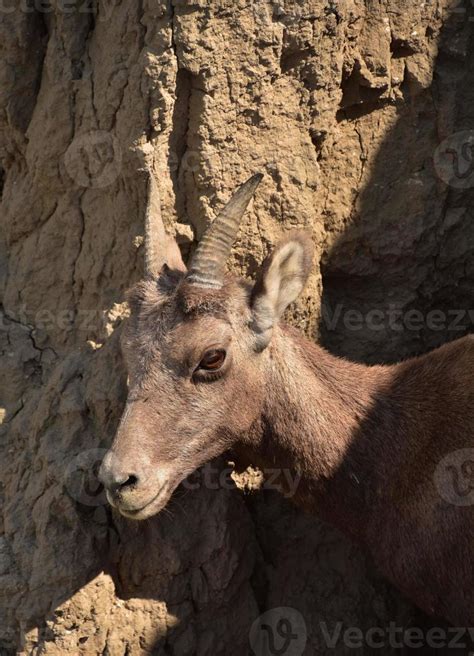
{"type": "Point", "coordinates": [207, 267]}
{"type": "Point", "coordinates": [160, 248]}
{"type": "Point", "coordinates": [155, 234]}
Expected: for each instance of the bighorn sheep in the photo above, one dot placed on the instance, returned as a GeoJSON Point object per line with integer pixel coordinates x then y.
{"type": "Point", "coordinates": [211, 367]}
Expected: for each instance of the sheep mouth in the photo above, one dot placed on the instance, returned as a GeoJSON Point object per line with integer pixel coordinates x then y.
{"type": "Point", "coordinates": [152, 507]}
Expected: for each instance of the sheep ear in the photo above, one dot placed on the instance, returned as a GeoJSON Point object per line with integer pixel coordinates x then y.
{"type": "Point", "coordinates": [280, 280]}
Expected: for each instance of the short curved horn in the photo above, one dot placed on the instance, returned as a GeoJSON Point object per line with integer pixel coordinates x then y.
{"type": "Point", "coordinates": [207, 266]}
{"type": "Point", "coordinates": [160, 248]}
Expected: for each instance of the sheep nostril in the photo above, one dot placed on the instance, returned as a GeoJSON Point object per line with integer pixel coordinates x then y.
{"type": "Point", "coordinates": [124, 483]}
{"type": "Point", "coordinates": [131, 481]}
{"type": "Point", "coordinates": [114, 478]}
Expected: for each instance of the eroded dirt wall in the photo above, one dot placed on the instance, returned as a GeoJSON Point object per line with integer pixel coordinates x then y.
{"type": "Point", "coordinates": [342, 104]}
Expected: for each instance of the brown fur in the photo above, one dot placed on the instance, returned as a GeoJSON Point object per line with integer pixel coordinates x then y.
{"type": "Point", "coordinates": [365, 440]}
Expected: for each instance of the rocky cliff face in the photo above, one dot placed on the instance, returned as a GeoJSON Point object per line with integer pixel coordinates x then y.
{"type": "Point", "coordinates": [346, 106]}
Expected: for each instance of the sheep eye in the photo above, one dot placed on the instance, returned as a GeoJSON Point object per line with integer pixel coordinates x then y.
{"type": "Point", "coordinates": [212, 360]}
